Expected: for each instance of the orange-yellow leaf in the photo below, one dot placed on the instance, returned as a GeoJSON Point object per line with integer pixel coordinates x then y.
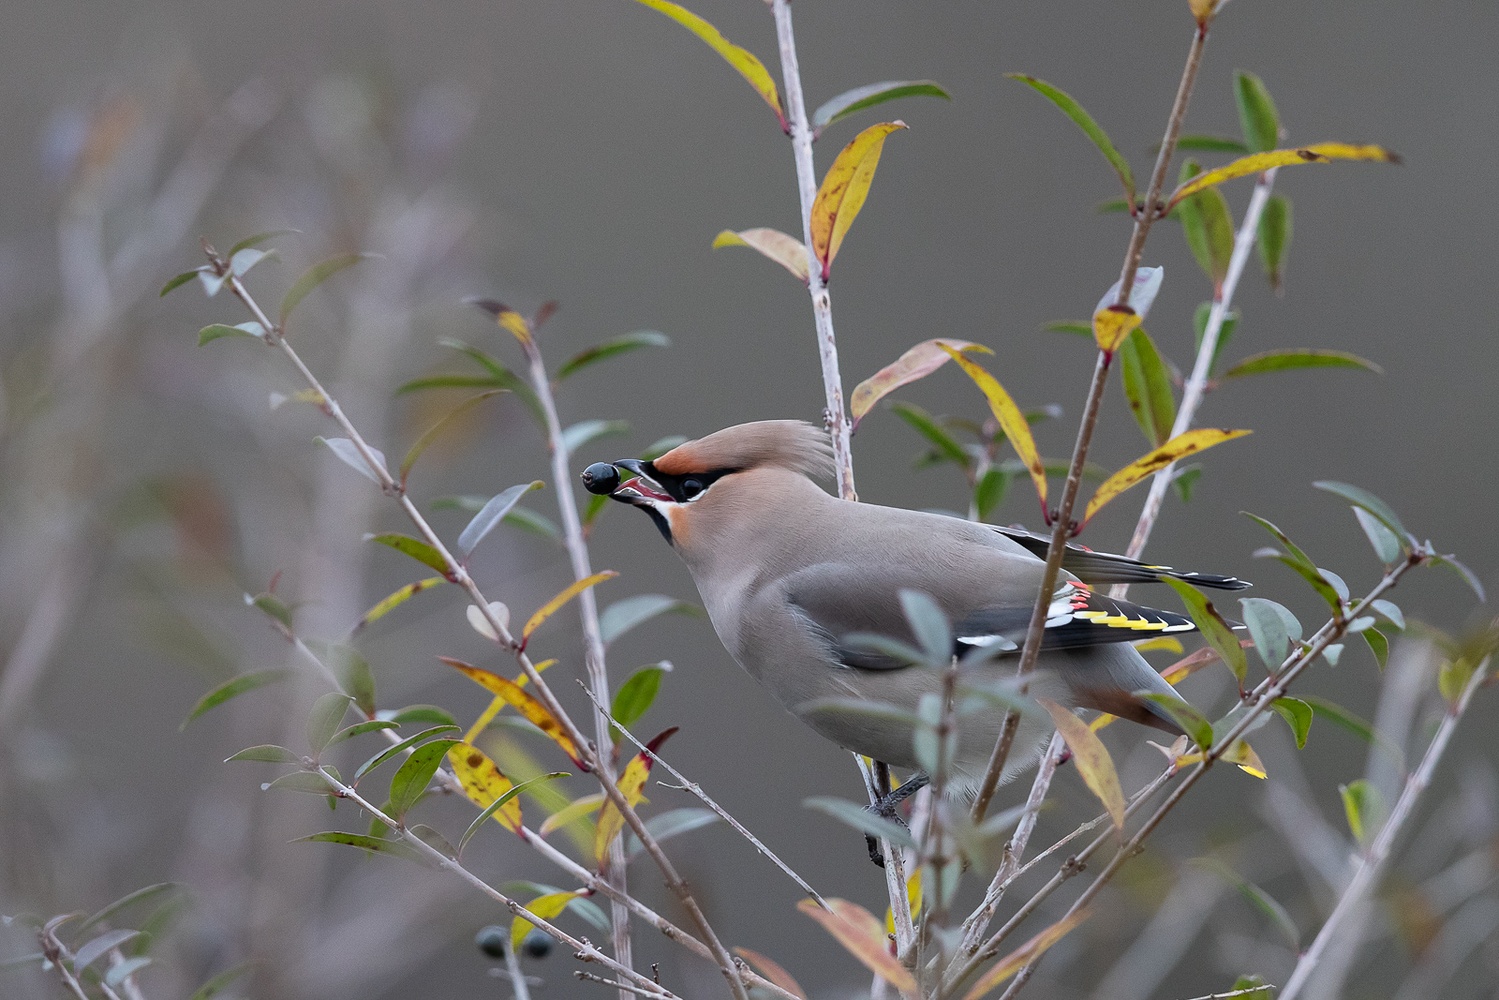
{"type": "Point", "coordinates": [632, 785]}
{"type": "Point", "coordinates": [1025, 954]}
{"type": "Point", "coordinates": [1174, 450]}
{"type": "Point", "coordinates": [398, 598]}
{"type": "Point", "coordinates": [1322, 152]}
{"type": "Point", "coordinates": [919, 362]}
{"type": "Point", "coordinates": [546, 907]}
{"type": "Point", "coordinates": [1011, 420]}
{"type": "Point", "coordinates": [858, 931]}
{"type": "Point", "coordinates": [487, 716]}
{"type": "Point", "coordinates": [1202, 10]}
{"type": "Point", "coordinates": [587, 805]}
{"type": "Point", "coordinates": [783, 248]}
{"type": "Point", "coordinates": [483, 783]}
{"type": "Point", "coordinates": [1112, 324]}
{"type": "Point", "coordinates": [772, 971]}
{"type": "Point", "coordinates": [568, 593]}
{"type": "Point", "coordinates": [1092, 759]}
{"type": "Point", "coordinates": [743, 60]}
{"type": "Point", "coordinates": [844, 189]}
{"type": "Point", "coordinates": [532, 710]}
{"type": "Point", "coordinates": [1239, 753]}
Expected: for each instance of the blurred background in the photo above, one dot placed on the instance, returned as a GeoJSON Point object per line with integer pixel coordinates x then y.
{"type": "Point", "coordinates": [587, 153]}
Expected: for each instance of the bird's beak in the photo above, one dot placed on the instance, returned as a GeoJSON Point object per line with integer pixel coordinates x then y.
{"type": "Point", "coordinates": [627, 481]}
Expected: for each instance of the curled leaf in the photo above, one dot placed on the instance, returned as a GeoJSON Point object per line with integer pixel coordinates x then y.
{"type": "Point", "coordinates": [1174, 450]}
{"type": "Point", "coordinates": [844, 189]}
{"type": "Point", "coordinates": [861, 98]}
{"type": "Point", "coordinates": [783, 248]}
{"type": "Point", "coordinates": [916, 363]}
{"type": "Point", "coordinates": [1322, 152]}
{"type": "Point", "coordinates": [311, 278]}
{"type": "Point", "coordinates": [743, 60]}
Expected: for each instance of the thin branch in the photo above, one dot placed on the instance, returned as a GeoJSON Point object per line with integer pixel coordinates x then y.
{"type": "Point", "coordinates": [1062, 527]}
{"type": "Point", "coordinates": [589, 977]}
{"type": "Point", "coordinates": [518, 978]}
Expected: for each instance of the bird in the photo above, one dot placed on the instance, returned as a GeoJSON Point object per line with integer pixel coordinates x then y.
{"type": "Point", "coordinates": [796, 581]}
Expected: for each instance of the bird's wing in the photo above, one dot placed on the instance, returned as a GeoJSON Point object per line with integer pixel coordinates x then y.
{"type": "Point", "coordinates": [1105, 567]}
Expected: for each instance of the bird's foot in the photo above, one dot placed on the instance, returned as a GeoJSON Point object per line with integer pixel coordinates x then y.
{"type": "Point", "coordinates": [888, 807]}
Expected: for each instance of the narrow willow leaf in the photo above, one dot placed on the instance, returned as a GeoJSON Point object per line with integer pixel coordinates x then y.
{"type": "Point", "coordinates": [1368, 501]}
{"type": "Point", "coordinates": [587, 431]}
{"type": "Point", "coordinates": [397, 598]}
{"type": "Point", "coordinates": [1210, 144]}
{"type": "Point", "coordinates": [267, 753]}
{"type": "Point", "coordinates": [1075, 327]}
{"type": "Point", "coordinates": [928, 624]}
{"type": "Point", "coordinates": [415, 548]}
{"type": "Point", "coordinates": [415, 774]}
{"type": "Point", "coordinates": [1323, 152]}
{"type": "Point", "coordinates": [870, 95]}
{"type": "Point", "coordinates": [1192, 722]}
{"type": "Point", "coordinates": [1217, 234]}
{"type": "Point", "coordinates": [324, 719]}
{"type": "Point", "coordinates": [543, 908]}
{"type": "Point", "coordinates": [1298, 715]}
{"type": "Point", "coordinates": [631, 785]}
{"type": "Point", "coordinates": [532, 710]}
{"type": "Point", "coordinates": [420, 715]}
{"type": "Point", "coordinates": [1179, 447]}
{"type": "Point", "coordinates": [311, 278]}
{"type": "Point", "coordinates": [1275, 238]}
{"type": "Point", "coordinates": [916, 363]}
{"type": "Point", "coordinates": [373, 845]}
{"type": "Point", "coordinates": [863, 936]}
{"type": "Point", "coordinates": [783, 248]}
{"type": "Point", "coordinates": [1257, 115]}
{"type": "Point", "coordinates": [1467, 575]}
{"type": "Point", "coordinates": [622, 616]}
{"type": "Point", "coordinates": [1010, 419]}
{"type": "Point", "coordinates": [495, 510]}
{"type": "Point", "coordinates": [615, 346]}
{"type": "Point", "coordinates": [1091, 129]}
{"type": "Point", "coordinates": [355, 678]}
{"type": "Point", "coordinates": [1386, 545]}
{"type": "Point", "coordinates": [744, 62]}
{"type": "Point", "coordinates": [772, 971]}
{"type": "Point", "coordinates": [1353, 723]}
{"type": "Point", "coordinates": [1287, 360]}
{"type": "Point", "coordinates": [485, 784]}
{"type": "Point", "coordinates": [91, 951]}
{"type": "Point", "coordinates": [501, 802]}
{"type": "Point", "coordinates": [404, 745]}
{"type": "Point", "coordinates": [1147, 387]}
{"type": "Point", "coordinates": [431, 433]}
{"type": "Point", "coordinates": [1364, 807]}
{"type": "Point", "coordinates": [844, 190]}
{"type": "Point", "coordinates": [298, 781]}
{"type": "Point", "coordinates": [1025, 954]}
{"type": "Point", "coordinates": [218, 331]}
{"type": "Point", "coordinates": [125, 902]}
{"type": "Point", "coordinates": [636, 695]}
{"type": "Point", "coordinates": [349, 454]}
{"type": "Point", "coordinates": [926, 425]}
{"type": "Point", "coordinates": [1299, 561]}
{"type": "Point", "coordinates": [261, 238]}
{"type": "Point", "coordinates": [1200, 320]}
{"type": "Point", "coordinates": [1092, 759]}
{"type": "Point", "coordinates": [221, 982]}
{"type": "Point", "coordinates": [1259, 899]}
{"type": "Point", "coordinates": [232, 688]}
{"type": "Point", "coordinates": [1268, 629]}
{"type": "Point", "coordinates": [585, 805]}
{"type": "Point", "coordinates": [989, 492]}
{"type": "Point", "coordinates": [360, 728]}
{"type": "Point", "coordinates": [1213, 628]}
{"type": "Point", "coordinates": [556, 604]}
{"type": "Point", "coordinates": [181, 279]}
{"type": "Point", "coordinates": [672, 823]}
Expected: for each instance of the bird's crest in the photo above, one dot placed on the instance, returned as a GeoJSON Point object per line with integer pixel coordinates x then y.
{"type": "Point", "coordinates": [789, 444]}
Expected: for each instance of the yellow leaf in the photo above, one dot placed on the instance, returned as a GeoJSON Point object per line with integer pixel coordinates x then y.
{"type": "Point", "coordinates": [783, 248]}
{"type": "Point", "coordinates": [1092, 759]}
{"type": "Point", "coordinates": [396, 599]}
{"type": "Point", "coordinates": [509, 319]}
{"type": "Point", "coordinates": [483, 783]}
{"type": "Point", "coordinates": [1202, 10]}
{"type": "Point", "coordinates": [772, 971]}
{"type": "Point", "coordinates": [919, 362]}
{"type": "Point", "coordinates": [1025, 954]}
{"type": "Point", "coordinates": [743, 60]}
{"type": "Point", "coordinates": [584, 806]}
{"type": "Point", "coordinates": [858, 931]}
{"type": "Point", "coordinates": [1174, 450]}
{"type": "Point", "coordinates": [487, 716]}
{"type": "Point", "coordinates": [1170, 643]}
{"type": "Point", "coordinates": [844, 189]}
{"type": "Point", "coordinates": [1011, 420]}
{"type": "Point", "coordinates": [534, 711]}
{"type": "Point", "coordinates": [913, 901]}
{"type": "Point", "coordinates": [1322, 152]}
{"type": "Point", "coordinates": [546, 907]}
{"type": "Point", "coordinates": [572, 590]}
{"type": "Point", "coordinates": [632, 785]}
{"type": "Point", "coordinates": [1112, 324]}
{"type": "Point", "coordinates": [1242, 755]}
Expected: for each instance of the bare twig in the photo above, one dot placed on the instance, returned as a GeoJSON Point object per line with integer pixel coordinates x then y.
{"type": "Point", "coordinates": [518, 977]}
{"type": "Point", "coordinates": [58, 954]}
{"type": "Point", "coordinates": [589, 977]}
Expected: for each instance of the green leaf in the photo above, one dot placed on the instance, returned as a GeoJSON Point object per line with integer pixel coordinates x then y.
{"type": "Point", "coordinates": [1295, 358]}
{"type": "Point", "coordinates": [928, 624]}
{"type": "Point", "coordinates": [1225, 331]}
{"type": "Point", "coordinates": [635, 696]}
{"type": "Point", "coordinates": [596, 506]}
{"type": "Point", "coordinates": [323, 721]}
{"type": "Point", "coordinates": [1259, 899]}
{"type": "Point", "coordinates": [1213, 627]}
{"type": "Point", "coordinates": [100, 946]}
{"type": "Point", "coordinates": [260, 238]}
{"type": "Point", "coordinates": [494, 511]}
{"type": "Point", "coordinates": [181, 280]}
{"type": "Point", "coordinates": [586, 431]}
{"type": "Point", "coordinates": [1364, 807]}
{"type": "Point", "coordinates": [1250, 983]}
{"type": "Point", "coordinates": [374, 845]}
{"type": "Point", "coordinates": [1208, 226]}
{"type": "Point", "coordinates": [222, 981]}
{"type": "Point", "coordinates": [1275, 238]}
{"type": "Point", "coordinates": [622, 616]}
{"type": "Point", "coordinates": [1091, 129]}
{"type": "Point", "coordinates": [623, 344]}
{"type": "Point", "coordinates": [241, 261]}
{"type": "Point", "coordinates": [415, 774]}
{"type": "Point", "coordinates": [268, 753]}
{"type": "Point", "coordinates": [360, 728]}
{"type": "Point", "coordinates": [272, 607]}
{"type": "Point", "coordinates": [1257, 115]}
{"type": "Point", "coordinates": [450, 382]}
{"type": "Point", "coordinates": [415, 714]}
{"type": "Point", "coordinates": [218, 331]}
{"type": "Point", "coordinates": [136, 898]}
{"type": "Point", "coordinates": [413, 547]}
{"type": "Point", "coordinates": [1267, 628]}
{"type": "Point", "coordinates": [298, 781]}
{"type": "Point", "coordinates": [121, 971]}
{"type": "Point", "coordinates": [861, 98]}
{"type": "Point", "coordinates": [353, 673]}
{"type": "Point", "coordinates": [742, 60]}
{"type": "Point", "coordinates": [1147, 387]}
{"type": "Point", "coordinates": [672, 823]}
{"type": "Point", "coordinates": [406, 744]}
{"type": "Point", "coordinates": [431, 433]}
{"type": "Point", "coordinates": [1298, 715]}
{"type": "Point", "coordinates": [1468, 576]}
{"type": "Point", "coordinates": [1353, 723]}
{"type": "Point", "coordinates": [500, 803]}
{"type": "Point", "coordinates": [232, 688]}
{"type": "Point", "coordinates": [989, 492]}
{"type": "Point", "coordinates": [861, 819]}
{"type": "Point", "coordinates": [311, 278]}
{"type": "Point", "coordinates": [925, 425]}
{"type": "Point", "coordinates": [1368, 501]}
{"type": "Point", "coordinates": [1210, 144]}
{"type": "Point", "coordinates": [1185, 480]}
{"type": "Point", "coordinates": [1379, 645]}
{"type": "Point", "coordinates": [1193, 722]}
{"type": "Point", "coordinates": [1386, 545]}
{"type": "Point", "coordinates": [1077, 328]}
{"type": "Point", "coordinates": [1299, 561]}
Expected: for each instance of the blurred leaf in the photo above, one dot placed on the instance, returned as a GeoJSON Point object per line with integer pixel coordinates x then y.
{"type": "Point", "coordinates": [568, 593]}
{"type": "Point", "coordinates": [870, 95]}
{"type": "Point", "coordinates": [783, 248]}
{"type": "Point", "coordinates": [989, 492]}
{"type": "Point", "coordinates": [1011, 420]}
{"type": "Point", "coordinates": [211, 282]}
{"type": "Point", "coordinates": [543, 908]}
{"type": "Point", "coordinates": [1267, 622]}
{"type": "Point", "coordinates": [240, 261]}
{"type": "Point", "coordinates": [354, 675]}
{"type": "Point", "coordinates": [484, 521]}
{"type": "Point", "coordinates": [261, 238]}
{"type": "Point", "coordinates": [1025, 954]}
{"type": "Point", "coordinates": [844, 189]}
{"type": "Point", "coordinates": [267, 753]}
{"type": "Point", "coordinates": [635, 696]}
{"type": "Point", "coordinates": [415, 548]}
{"type": "Point", "coordinates": [585, 805]}
{"type": "Point", "coordinates": [1369, 502]}
{"type": "Point", "coordinates": [430, 435]}
{"type": "Point", "coordinates": [415, 774]}
{"type": "Point", "coordinates": [324, 719]}
{"type": "Point", "coordinates": [1333, 712]}
{"type": "Point", "coordinates": [1179, 447]}
{"type": "Point", "coordinates": [596, 506]}
{"type": "Point", "coordinates": [374, 845]}
{"type": "Point", "coordinates": [1193, 722]}
{"type": "Point", "coordinates": [1298, 715]}
{"type": "Point", "coordinates": [1257, 115]}
{"type": "Point", "coordinates": [412, 714]}
{"type": "Point", "coordinates": [397, 598]}
{"type": "Point", "coordinates": [744, 62]}
{"type": "Point", "coordinates": [1094, 764]}
{"type": "Point", "coordinates": [433, 839]}
{"type": "Point", "coordinates": [1225, 330]}
{"type": "Point", "coordinates": [349, 454]}
{"type": "Point", "coordinates": [916, 363]}
{"type": "Point", "coordinates": [1250, 983]}
{"type": "Point", "coordinates": [233, 688]}
{"type": "Point", "coordinates": [864, 938]}
{"type": "Point", "coordinates": [121, 971]}
{"type": "Point", "coordinates": [181, 279]}
{"type": "Point", "coordinates": [586, 431]}
{"type": "Point", "coordinates": [1091, 129]}
{"type": "Point", "coordinates": [1386, 544]}
{"type": "Point", "coordinates": [401, 747]}
{"type": "Point", "coordinates": [509, 320]}
{"type": "Point", "coordinates": [1364, 807]}
{"type": "Point", "coordinates": [311, 278]}
{"type": "Point", "coordinates": [861, 819]}
{"type": "Point", "coordinates": [928, 624]}
{"type": "Point", "coordinates": [1147, 387]}
{"type": "Point", "coordinates": [924, 424]}
{"type": "Point", "coordinates": [631, 785]}
{"type": "Point", "coordinates": [298, 781]}
{"type": "Point", "coordinates": [1392, 611]}
{"type": "Point", "coordinates": [499, 377]}
{"type": "Point", "coordinates": [672, 823]}
{"type": "Point", "coordinates": [1075, 327]}
{"type": "Point", "coordinates": [125, 902]}
{"type": "Point", "coordinates": [486, 786]}
{"type": "Point", "coordinates": [1255, 163]}
{"type": "Point", "coordinates": [98, 947]}
{"type": "Point", "coordinates": [1259, 899]}
{"type": "Point", "coordinates": [501, 802]}
{"type": "Point", "coordinates": [1213, 627]}
{"type": "Point", "coordinates": [1275, 238]}
{"type": "Point", "coordinates": [1210, 144]}
{"type": "Point", "coordinates": [1299, 561]}
{"type": "Point", "coordinates": [622, 616]}
{"type": "Point", "coordinates": [661, 446]}
{"type": "Point", "coordinates": [532, 710]}
{"type": "Point", "coordinates": [272, 607]}
{"type": "Point", "coordinates": [360, 728]}
{"type": "Point", "coordinates": [772, 972]}
{"type": "Point", "coordinates": [218, 331]}
{"type": "Point", "coordinates": [613, 347]}
{"type": "Point", "coordinates": [220, 982]}
{"type": "Point", "coordinates": [1467, 575]}
{"type": "Point", "coordinates": [1287, 360]}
